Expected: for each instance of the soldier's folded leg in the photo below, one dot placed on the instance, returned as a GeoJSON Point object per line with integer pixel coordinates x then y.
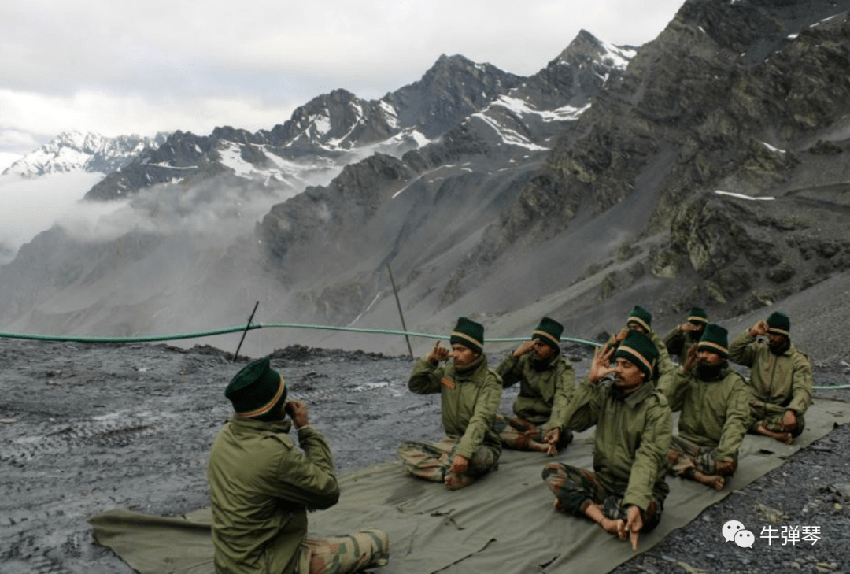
{"type": "Point", "coordinates": [423, 460]}
{"type": "Point", "coordinates": [366, 548]}
{"type": "Point", "coordinates": [574, 487]}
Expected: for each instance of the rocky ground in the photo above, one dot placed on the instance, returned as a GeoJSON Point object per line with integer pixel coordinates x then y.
{"type": "Point", "coordinates": [86, 428]}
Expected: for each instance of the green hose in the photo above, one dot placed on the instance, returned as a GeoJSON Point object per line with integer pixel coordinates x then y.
{"type": "Point", "coordinates": [252, 326]}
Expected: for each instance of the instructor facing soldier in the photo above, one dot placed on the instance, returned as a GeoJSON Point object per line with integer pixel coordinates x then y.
{"type": "Point", "coordinates": [262, 485]}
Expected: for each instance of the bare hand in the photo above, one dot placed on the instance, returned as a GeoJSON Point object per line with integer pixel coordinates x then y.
{"type": "Point", "coordinates": [524, 348]}
{"type": "Point", "coordinates": [789, 421]}
{"type": "Point", "coordinates": [759, 329]}
{"type": "Point", "coordinates": [620, 337]}
{"type": "Point", "coordinates": [460, 465]}
{"type": "Point", "coordinates": [600, 367]}
{"type": "Point", "coordinates": [691, 358]}
{"type": "Point", "coordinates": [632, 527]}
{"type": "Point", "coordinates": [724, 467]}
{"type": "Point", "coordinates": [438, 353]}
{"type": "Point", "coordinates": [553, 437]}
{"type": "Point", "coordinates": [298, 411]}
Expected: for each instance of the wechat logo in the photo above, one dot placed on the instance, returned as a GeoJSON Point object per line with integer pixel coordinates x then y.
{"type": "Point", "coordinates": [734, 531]}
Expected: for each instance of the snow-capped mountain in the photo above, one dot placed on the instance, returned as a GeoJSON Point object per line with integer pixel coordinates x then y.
{"type": "Point", "coordinates": [77, 151]}
{"type": "Point", "coordinates": [321, 137]}
{"type": "Point", "coordinates": [532, 114]}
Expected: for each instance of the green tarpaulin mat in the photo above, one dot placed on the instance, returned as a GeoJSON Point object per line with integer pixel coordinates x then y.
{"type": "Point", "coordinates": [504, 523]}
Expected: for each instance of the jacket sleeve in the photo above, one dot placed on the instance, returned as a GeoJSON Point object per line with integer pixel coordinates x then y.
{"type": "Point", "coordinates": [565, 389]}
{"type": "Point", "coordinates": [665, 365]}
{"type": "Point", "coordinates": [583, 411]}
{"type": "Point", "coordinates": [744, 349]}
{"type": "Point", "coordinates": [801, 384]}
{"type": "Point", "coordinates": [651, 456]}
{"type": "Point", "coordinates": [425, 378]}
{"type": "Point", "coordinates": [737, 418]}
{"type": "Point", "coordinates": [482, 417]}
{"type": "Point", "coordinates": [509, 370]}
{"type": "Point", "coordinates": [306, 479]}
{"type": "Point", "coordinates": [676, 389]}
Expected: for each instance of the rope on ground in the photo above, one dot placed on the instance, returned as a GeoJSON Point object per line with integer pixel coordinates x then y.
{"type": "Point", "coordinates": [253, 326]}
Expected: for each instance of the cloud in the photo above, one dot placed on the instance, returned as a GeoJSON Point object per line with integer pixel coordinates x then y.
{"type": "Point", "coordinates": [124, 114]}
{"type": "Point", "coordinates": [7, 159]}
{"type": "Point", "coordinates": [213, 212]}
{"type": "Point", "coordinates": [31, 206]}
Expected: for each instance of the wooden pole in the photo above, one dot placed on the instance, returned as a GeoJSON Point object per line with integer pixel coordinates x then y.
{"type": "Point", "coordinates": [400, 314]}
{"type": "Point", "coordinates": [245, 332]}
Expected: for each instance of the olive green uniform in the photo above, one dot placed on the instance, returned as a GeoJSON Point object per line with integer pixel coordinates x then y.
{"type": "Point", "coordinates": [713, 422]}
{"type": "Point", "coordinates": [777, 382]}
{"type": "Point", "coordinates": [545, 392]}
{"type": "Point", "coordinates": [470, 397]}
{"type": "Point", "coordinates": [261, 486]}
{"type": "Point", "coordinates": [630, 449]}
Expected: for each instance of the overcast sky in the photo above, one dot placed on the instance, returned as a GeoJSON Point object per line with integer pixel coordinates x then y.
{"type": "Point", "coordinates": [142, 67]}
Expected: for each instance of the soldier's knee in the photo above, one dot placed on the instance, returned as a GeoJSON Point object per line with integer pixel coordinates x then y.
{"type": "Point", "coordinates": [376, 543]}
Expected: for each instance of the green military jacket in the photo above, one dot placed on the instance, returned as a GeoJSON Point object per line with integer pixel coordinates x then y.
{"type": "Point", "coordinates": [632, 439]}
{"type": "Point", "coordinates": [260, 488]}
{"type": "Point", "coordinates": [714, 412]}
{"type": "Point", "coordinates": [678, 342]}
{"type": "Point", "coordinates": [784, 380]}
{"type": "Point", "coordinates": [470, 399]}
{"type": "Point", "coordinates": [664, 369]}
{"type": "Point", "coordinates": [543, 394]}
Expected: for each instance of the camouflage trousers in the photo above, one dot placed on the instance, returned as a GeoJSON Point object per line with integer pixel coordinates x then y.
{"type": "Point", "coordinates": [344, 554]}
{"type": "Point", "coordinates": [517, 433]}
{"type": "Point", "coordinates": [772, 416]}
{"type": "Point", "coordinates": [577, 488]}
{"type": "Point", "coordinates": [686, 456]}
{"type": "Point", "coordinates": [432, 461]}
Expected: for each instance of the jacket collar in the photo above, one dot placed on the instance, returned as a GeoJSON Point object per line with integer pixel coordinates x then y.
{"type": "Point", "coordinates": [473, 368]}
{"type": "Point", "coordinates": [282, 426]}
{"type": "Point", "coordinates": [634, 399]}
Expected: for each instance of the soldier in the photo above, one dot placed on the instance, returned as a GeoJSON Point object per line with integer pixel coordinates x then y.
{"type": "Point", "coordinates": [641, 320]}
{"type": "Point", "coordinates": [471, 393]}
{"type": "Point", "coordinates": [714, 401]}
{"type": "Point", "coordinates": [682, 337]}
{"type": "Point", "coordinates": [780, 378]}
{"type": "Point", "coordinates": [546, 385]}
{"type": "Point", "coordinates": [625, 492]}
{"type": "Point", "coordinates": [261, 487]}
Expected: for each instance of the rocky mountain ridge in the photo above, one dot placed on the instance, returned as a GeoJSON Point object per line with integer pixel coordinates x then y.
{"type": "Point", "coordinates": [745, 98]}
{"type": "Point", "coordinates": [172, 269]}
{"type": "Point", "coordinates": [320, 137]}
{"type": "Point", "coordinates": [708, 170]}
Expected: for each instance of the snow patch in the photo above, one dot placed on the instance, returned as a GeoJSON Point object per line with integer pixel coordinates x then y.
{"type": "Point", "coordinates": [507, 135]}
{"type": "Point", "coordinates": [321, 124]}
{"type": "Point", "coordinates": [617, 57]}
{"type": "Point", "coordinates": [390, 114]}
{"type": "Point", "coordinates": [521, 107]}
{"type": "Point", "coordinates": [742, 196]}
